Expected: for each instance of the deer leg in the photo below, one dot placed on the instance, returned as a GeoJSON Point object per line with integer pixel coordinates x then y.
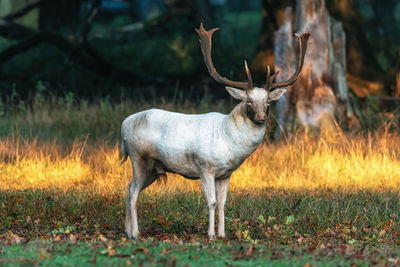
{"type": "Point", "coordinates": [208, 182]}
{"type": "Point", "coordinates": [128, 214]}
{"type": "Point", "coordinates": [133, 190]}
{"type": "Point", "coordinates": [222, 190]}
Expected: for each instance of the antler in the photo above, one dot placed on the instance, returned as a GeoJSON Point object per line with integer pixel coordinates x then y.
{"type": "Point", "coordinates": [303, 38]}
{"type": "Point", "coordinates": [205, 41]}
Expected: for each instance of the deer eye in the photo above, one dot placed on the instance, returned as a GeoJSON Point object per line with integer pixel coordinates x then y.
{"type": "Point", "coordinates": [249, 103]}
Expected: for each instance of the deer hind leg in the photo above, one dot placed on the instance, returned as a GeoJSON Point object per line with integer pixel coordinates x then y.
{"type": "Point", "coordinates": [222, 190]}
{"type": "Point", "coordinates": [142, 170]}
{"type": "Point", "coordinates": [208, 182]}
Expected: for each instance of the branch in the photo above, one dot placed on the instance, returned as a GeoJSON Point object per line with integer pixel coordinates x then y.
{"type": "Point", "coordinates": [21, 12]}
{"type": "Point", "coordinates": [85, 31]}
{"type": "Point", "coordinates": [14, 31]}
{"type": "Point", "coordinates": [89, 58]}
{"type": "Point", "coordinates": [32, 41]}
{"type": "Point", "coordinates": [95, 62]}
{"type": "Point", "coordinates": [88, 24]}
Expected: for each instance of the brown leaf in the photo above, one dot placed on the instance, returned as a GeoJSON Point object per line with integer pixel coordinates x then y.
{"type": "Point", "coordinates": [111, 252]}
{"type": "Point", "coordinates": [308, 264]}
{"type": "Point", "coordinates": [103, 239]}
{"type": "Point", "coordinates": [73, 238]}
{"type": "Point", "coordinates": [382, 233]}
{"type": "Point", "coordinates": [93, 260]}
{"type": "Point", "coordinates": [143, 250]}
{"type": "Point", "coordinates": [165, 251]}
{"type": "Point", "coordinates": [250, 251]}
{"type": "Point", "coordinates": [123, 241]}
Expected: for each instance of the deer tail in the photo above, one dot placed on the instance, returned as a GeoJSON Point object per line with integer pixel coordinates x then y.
{"type": "Point", "coordinates": [124, 152]}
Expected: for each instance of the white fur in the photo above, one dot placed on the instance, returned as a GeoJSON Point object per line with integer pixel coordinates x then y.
{"type": "Point", "coordinates": [208, 147]}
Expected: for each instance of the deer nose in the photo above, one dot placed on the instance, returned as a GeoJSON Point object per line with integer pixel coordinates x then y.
{"type": "Point", "coordinates": [261, 117]}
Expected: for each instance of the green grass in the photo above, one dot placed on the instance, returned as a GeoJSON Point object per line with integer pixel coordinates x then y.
{"type": "Point", "coordinates": [324, 227]}
{"type": "Point", "coordinates": [363, 218]}
{"type": "Point", "coordinates": [150, 253]}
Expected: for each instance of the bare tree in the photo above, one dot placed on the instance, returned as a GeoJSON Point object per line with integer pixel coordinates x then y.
{"type": "Point", "coordinates": [320, 99]}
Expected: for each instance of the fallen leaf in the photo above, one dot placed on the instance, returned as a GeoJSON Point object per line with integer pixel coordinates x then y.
{"type": "Point", "coordinates": [93, 260]}
{"type": "Point", "coordinates": [123, 241]}
{"type": "Point", "coordinates": [73, 238]}
{"type": "Point", "coordinates": [103, 238]}
{"type": "Point", "coordinates": [111, 252]}
{"type": "Point", "coordinates": [143, 250]}
{"type": "Point", "coordinates": [382, 233]}
{"type": "Point", "coordinates": [165, 251]}
{"type": "Point", "coordinates": [250, 251]}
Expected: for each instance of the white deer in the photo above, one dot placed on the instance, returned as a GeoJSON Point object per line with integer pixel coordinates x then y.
{"type": "Point", "coordinates": [208, 146]}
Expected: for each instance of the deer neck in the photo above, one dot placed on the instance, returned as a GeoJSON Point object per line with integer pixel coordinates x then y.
{"type": "Point", "coordinates": [241, 131]}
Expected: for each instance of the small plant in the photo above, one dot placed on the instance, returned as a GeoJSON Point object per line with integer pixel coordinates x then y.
{"type": "Point", "coordinates": [61, 228]}
{"type": "Point", "coordinates": [39, 99]}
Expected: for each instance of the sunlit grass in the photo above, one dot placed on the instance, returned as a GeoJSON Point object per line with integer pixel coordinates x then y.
{"type": "Point", "coordinates": [345, 163]}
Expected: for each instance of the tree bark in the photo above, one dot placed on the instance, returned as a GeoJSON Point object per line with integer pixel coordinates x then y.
{"type": "Point", "coordinates": [319, 99]}
{"type": "Point", "coordinates": [360, 60]}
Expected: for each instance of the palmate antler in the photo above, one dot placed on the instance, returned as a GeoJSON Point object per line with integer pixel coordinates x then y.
{"type": "Point", "coordinates": [205, 41]}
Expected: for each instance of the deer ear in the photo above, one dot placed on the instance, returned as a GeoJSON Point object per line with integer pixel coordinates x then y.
{"type": "Point", "coordinates": [276, 94]}
{"type": "Point", "coordinates": [236, 93]}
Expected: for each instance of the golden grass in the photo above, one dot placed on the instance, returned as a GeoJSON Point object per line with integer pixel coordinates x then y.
{"type": "Point", "coordinates": [343, 163]}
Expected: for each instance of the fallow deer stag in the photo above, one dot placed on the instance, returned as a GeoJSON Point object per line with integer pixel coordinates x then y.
{"type": "Point", "coordinates": [208, 146]}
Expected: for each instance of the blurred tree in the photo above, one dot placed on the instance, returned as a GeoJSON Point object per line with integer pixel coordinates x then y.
{"type": "Point", "coordinates": [10, 6]}
{"type": "Point", "coordinates": [320, 97]}
{"type": "Point", "coordinates": [361, 60]}
{"type": "Point", "coordinates": [55, 15]}
{"type": "Point", "coordinates": [272, 18]}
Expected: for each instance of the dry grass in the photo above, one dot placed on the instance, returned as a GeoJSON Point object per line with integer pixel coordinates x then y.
{"type": "Point", "coordinates": [343, 163]}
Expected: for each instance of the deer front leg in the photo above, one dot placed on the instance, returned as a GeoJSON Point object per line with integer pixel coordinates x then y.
{"type": "Point", "coordinates": [208, 182]}
{"type": "Point", "coordinates": [222, 190]}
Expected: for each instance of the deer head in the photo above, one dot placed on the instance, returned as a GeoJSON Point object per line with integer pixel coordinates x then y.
{"type": "Point", "coordinates": [257, 99]}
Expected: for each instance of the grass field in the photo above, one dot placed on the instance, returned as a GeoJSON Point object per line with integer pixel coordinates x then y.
{"type": "Point", "coordinates": [299, 201]}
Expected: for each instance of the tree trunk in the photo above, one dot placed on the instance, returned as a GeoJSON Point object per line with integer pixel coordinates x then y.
{"type": "Point", "coordinates": [319, 99]}
{"type": "Point", "coordinates": [360, 55]}
{"type": "Point", "coordinates": [360, 59]}
{"type": "Point", "coordinates": [272, 17]}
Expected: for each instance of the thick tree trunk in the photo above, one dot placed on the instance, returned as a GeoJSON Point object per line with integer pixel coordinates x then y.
{"type": "Point", "coordinates": [272, 17]}
{"type": "Point", "coordinates": [320, 97]}
{"type": "Point", "coordinates": [360, 59]}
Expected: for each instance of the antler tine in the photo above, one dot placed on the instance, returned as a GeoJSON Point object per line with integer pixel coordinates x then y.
{"type": "Point", "coordinates": [205, 41]}
{"type": "Point", "coordinates": [270, 80]}
{"type": "Point", "coordinates": [249, 79]}
{"type": "Point", "coordinates": [303, 38]}
{"type": "Point", "coordinates": [267, 83]}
